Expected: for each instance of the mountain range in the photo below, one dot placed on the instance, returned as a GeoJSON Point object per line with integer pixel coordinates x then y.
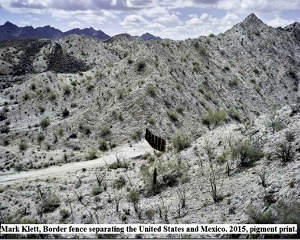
{"type": "Point", "coordinates": [10, 31]}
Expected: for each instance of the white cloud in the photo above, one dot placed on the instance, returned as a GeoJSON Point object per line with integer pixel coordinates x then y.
{"type": "Point", "coordinates": [278, 22]}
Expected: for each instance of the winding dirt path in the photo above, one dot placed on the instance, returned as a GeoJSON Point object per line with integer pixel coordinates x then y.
{"type": "Point", "coordinates": [124, 151]}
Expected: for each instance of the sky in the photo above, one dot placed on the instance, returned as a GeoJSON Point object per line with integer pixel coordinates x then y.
{"type": "Point", "coordinates": [174, 19]}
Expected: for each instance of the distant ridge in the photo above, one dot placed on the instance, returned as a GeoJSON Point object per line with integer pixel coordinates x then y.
{"type": "Point", "coordinates": [149, 36]}
{"type": "Point", "coordinates": [10, 31]}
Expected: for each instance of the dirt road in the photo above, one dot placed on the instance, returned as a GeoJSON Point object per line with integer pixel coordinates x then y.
{"type": "Point", "coordinates": [124, 151]}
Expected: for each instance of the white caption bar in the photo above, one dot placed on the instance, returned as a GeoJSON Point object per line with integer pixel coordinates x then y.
{"type": "Point", "coordinates": [148, 228]}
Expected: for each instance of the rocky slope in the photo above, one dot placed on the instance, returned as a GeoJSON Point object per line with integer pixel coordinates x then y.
{"type": "Point", "coordinates": [75, 98]}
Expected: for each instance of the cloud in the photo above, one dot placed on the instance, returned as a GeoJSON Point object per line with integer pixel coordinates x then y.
{"type": "Point", "coordinates": [258, 5]}
{"type": "Point", "coordinates": [278, 22]}
{"type": "Point", "coordinates": [34, 4]}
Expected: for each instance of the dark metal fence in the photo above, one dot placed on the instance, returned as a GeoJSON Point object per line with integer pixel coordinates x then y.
{"type": "Point", "coordinates": [155, 141]}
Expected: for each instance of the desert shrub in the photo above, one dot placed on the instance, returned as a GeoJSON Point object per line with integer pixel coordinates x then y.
{"type": "Point", "coordinates": [215, 118]}
{"type": "Point", "coordinates": [52, 96]}
{"type": "Point", "coordinates": [180, 109]}
{"type": "Point", "coordinates": [119, 183]}
{"type": "Point", "coordinates": [257, 216]}
{"type": "Point", "coordinates": [151, 120]}
{"type": "Point", "coordinates": [150, 213]}
{"type": "Point", "coordinates": [285, 152]}
{"type": "Point", "coordinates": [105, 131]}
{"type": "Point", "coordinates": [173, 116]}
{"type": "Point", "coordinates": [50, 203]}
{"type": "Point", "coordinates": [290, 137]}
{"type": "Point", "coordinates": [65, 113]}
{"type": "Point", "coordinates": [92, 154]}
{"type": "Point", "coordinates": [121, 93]}
{"type": "Point", "coordinates": [26, 97]}
{"type": "Point", "coordinates": [3, 116]}
{"type": "Point", "coordinates": [141, 66]}
{"type": "Point", "coordinates": [151, 90]}
{"type": "Point", "coordinates": [196, 67]}
{"type": "Point", "coordinates": [137, 135]}
{"type": "Point", "coordinates": [90, 87]}
{"type": "Point", "coordinates": [96, 190]}
{"type": "Point", "coordinates": [40, 138]}
{"type": "Point", "coordinates": [180, 140]}
{"type": "Point", "coordinates": [23, 146]}
{"type": "Point", "coordinates": [256, 71]}
{"type": "Point", "coordinates": [129, 61]}
{"type": "Point", "coordinates": [119, 164]}
{"type": "Point", "coordinates": [64, 213]}
{"type": "Point", "coordinates": [246, 153]}
{"type": "Point", "coordinates": [211, 35]}
{"type": "Point", "coordinates": [4, 129]}
{"type": "Point", "coordinates": [67, 90]}
{"type": "Point", "coordinates": [134, 197]}
{"type": "Point", "coordinates": [102, 144]}
{"type": "Point", "coordinates": [276, 125]}
{"type": "Point", "coordinates": [42, 109]}
{"type": "Point", "coordinates": [45, 122]}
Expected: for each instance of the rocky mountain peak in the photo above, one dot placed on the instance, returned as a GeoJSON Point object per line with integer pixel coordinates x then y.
{"type": "Point", "coordinates": [253, 19]}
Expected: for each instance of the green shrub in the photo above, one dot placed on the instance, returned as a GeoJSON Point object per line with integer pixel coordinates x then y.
{"type": "Point", "coordinates": [121, 93]}
{"type": "Point", "coordinates": [23, 146]}
{"type": "Point", "coordinates": [129, 61]}
{"type": "Point", "coordinates": [215, 118]}
{"type": "Point", "coordinates": [96, 190]}
{"type": "Point", "coordinates": [119, 164]}
{"type": "Point", "coordinates": [92, 154]}
{"type": "Point", "coordinates": [90, 87]}
{"type": "Point", "coordinates": [246, 153]}
{"type": "Point", "coordinates": [105, 131]}
{"type": "Point", "coordinates": [150, 213]}
{"type": "Point", "coordinates": [180, 109]}
{"type": "Point", "coordinates": [151, 90]}
{"type": "Point", "coordinates": [45, 122]}
{"type": "Point", "coordinates": [259, 217]}
{"type": "Point", "coordinates": [102, 144]}
{"type": "Point", "coordinates": [285, 152]}
{"type": "Point", "coordinates": [64, 213]}
{"type": "Point", "coordinates": [137, 135]}
{"type": "Point", "coordinates": [151, 120]}
{"type": "Point", "coordinates": [40, 138]}
{"type": "Point", "coordinates": [67, 90]}
{"type": "Point", "coordinates": [52, 96]}
{"type": "Point", "coordinates": [50, 203]}
{"type": "Point", "coordinates": [173, 116]}
{"type": "Point", "coordinates": [133, 197]}
{"type": "Point", "coordinates": [196, 67]}
{"type": "Point", "coordinates": [180, 141]}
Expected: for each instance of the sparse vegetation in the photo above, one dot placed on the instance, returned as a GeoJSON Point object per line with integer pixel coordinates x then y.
{"type": "Point", "coordinates": [285, 152]}
{"type": "Point", "coordinates": [215, 118]}
{"type": "Point", "coordinates": [102, 144]}
{"type": "Point", "coordinates": [151, 90]}
{"type": "Point", "coordinates": [180, 140]}
{"type": "Point", "coordinates": [173, 116]}
{"type": "Point", "coordinates": [137, 135]}
{"type": "Point", "coordinates": [45, 122]}
{"type": "Point", "coordinates": [246, 153]}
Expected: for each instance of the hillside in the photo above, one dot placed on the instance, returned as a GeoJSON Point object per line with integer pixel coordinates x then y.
{"type": "Point", "coordinates": [76, 99]}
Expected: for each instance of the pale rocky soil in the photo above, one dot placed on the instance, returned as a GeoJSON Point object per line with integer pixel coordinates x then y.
{"type": "Point", "coordinates": [123, 86]}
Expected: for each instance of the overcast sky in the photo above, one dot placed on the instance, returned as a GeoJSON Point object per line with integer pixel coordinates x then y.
{"type": "Point", "coordinates": [175, 19]}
